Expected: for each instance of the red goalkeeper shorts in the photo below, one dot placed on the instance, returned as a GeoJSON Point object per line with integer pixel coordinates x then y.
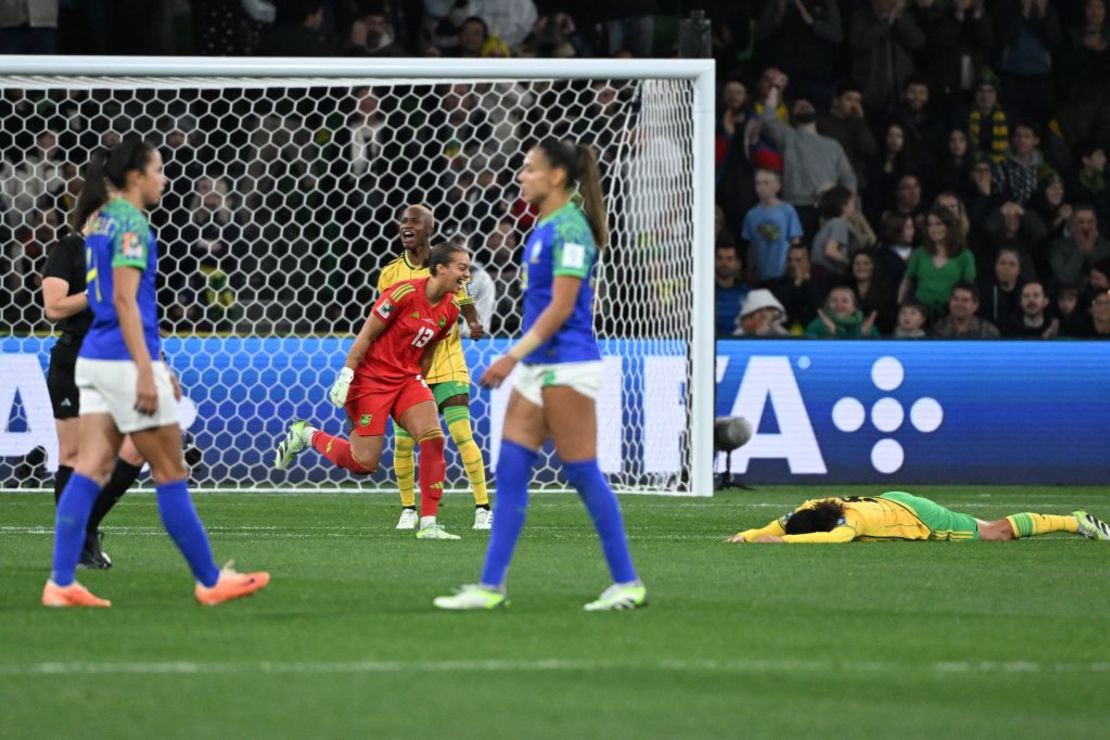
{"type": "Point", "coordinates": [370, 404]}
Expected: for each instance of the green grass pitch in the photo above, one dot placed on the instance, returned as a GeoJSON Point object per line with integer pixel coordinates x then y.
{"type": "Point", "coordinates": [865, 640]}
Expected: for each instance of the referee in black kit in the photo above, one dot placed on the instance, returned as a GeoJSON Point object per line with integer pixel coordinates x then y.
{"type": "Point", "coordinates": [65, 303]}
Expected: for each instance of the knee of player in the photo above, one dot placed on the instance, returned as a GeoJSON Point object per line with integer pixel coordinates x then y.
{"type": "Point", "coordinates": [168, 472]}
{"type": "Point", "coordinates": [97, 470]}
{"type": "Point", "coordinates": [67, 455]}
{"type": "Point", "coordinates": [461, 434]}
{"type": "Point", "coordinates": [130, 455]}
{"type": "Point", "coordinates": [369, 462]}
{"type": "Point", "coordinates": [996, 531]}
{"type": "Point", "coordinates": [430, 435]}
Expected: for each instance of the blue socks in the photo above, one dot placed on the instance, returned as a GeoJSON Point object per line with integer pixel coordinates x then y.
{"type": "Point", "coordinates": [602, 504]}
{"type": "Point", "coordinates": [178, 516]}
{"type": "Point", "coordinates": [514, 471]}
{"type": "Point", "coordinates": [74, 507]}
{"type": "Point", "coordinates": [181, 521]}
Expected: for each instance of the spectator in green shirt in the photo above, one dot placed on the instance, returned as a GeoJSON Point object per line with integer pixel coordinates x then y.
{"type": "Point", "coordinates": [938, 264]}
{"type": "Point", "coordinates": [841, 317]}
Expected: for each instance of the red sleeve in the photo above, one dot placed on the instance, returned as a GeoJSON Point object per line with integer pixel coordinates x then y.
{"type": "Point", "coordinates": [390, 303]}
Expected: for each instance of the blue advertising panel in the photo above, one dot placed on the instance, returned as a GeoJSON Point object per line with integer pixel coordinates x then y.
{"type": "Point", "coordinates": [881, 412]}
{"type": "Point", "coordinates": [919, 411]}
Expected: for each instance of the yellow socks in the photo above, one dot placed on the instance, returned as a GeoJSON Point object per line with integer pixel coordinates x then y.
{"type": "Point", "coordinates": [458, 424]}
{"type": "Point", "coordinates": [1031, 525]}
{"type": "Point", "coordinates": [404, 465]}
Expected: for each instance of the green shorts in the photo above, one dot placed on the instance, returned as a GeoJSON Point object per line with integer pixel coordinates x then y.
{"type": "Point", "coordinates": [447, 389]}
{"type": "Point", "coordinates": [942, 523]}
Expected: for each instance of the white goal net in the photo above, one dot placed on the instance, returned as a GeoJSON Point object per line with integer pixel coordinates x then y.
{"type": "Point", "coordinates": [282, 206]}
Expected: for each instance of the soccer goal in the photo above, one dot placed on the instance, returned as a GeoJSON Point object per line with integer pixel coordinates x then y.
{"type": "Point", "coordinates": [286, 180]}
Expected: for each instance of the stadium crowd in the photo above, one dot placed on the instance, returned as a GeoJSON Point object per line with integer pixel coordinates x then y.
{"type": "Point", "coordinates": [884, 167]}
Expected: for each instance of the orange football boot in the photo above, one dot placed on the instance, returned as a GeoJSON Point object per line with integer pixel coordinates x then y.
{"type": "Point", "coordinates": [231, 585]}
{"type": "Point", "coordinates": [72, 595]}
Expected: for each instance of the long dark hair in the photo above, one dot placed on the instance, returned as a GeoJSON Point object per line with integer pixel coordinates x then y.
{"type": "Point", "coordinates": [131, 154]}
{"type": "Point", "coordinates": [93, 195]}
{"type": "Point", "coordinates": [821, 517]}
{"type": "Point", "coordinates": [580, 164]}
{"type": "Point", "coordinates": [954, 242]}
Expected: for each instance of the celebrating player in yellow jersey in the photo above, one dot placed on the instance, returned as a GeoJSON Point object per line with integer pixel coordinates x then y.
{"type": "Point", "coordinates": [449, 377]}
{"type": "Point", "coordinates": [896, 515]}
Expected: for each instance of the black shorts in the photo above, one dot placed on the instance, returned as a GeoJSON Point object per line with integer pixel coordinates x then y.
{"type": "Point", "coordinates": [60, 381]}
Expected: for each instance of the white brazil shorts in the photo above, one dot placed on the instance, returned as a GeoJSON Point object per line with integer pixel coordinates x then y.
{"type": "Point", "coordinates": [108, 387]}
{"type": "Point", "coordinates": [584, 377]}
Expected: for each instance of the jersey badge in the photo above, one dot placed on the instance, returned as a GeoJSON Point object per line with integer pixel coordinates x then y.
{"type": "Point", "coordinates": [442, 322]}
{"type": "Point", "coordinates": [574, 256]}
{"type": "Point", "coordinates": [364, 420]}
{"type": "Point", "coordinates": [132, 246]}
{"type": "Point", "coordinates": [385, 309]}
{"type": "Point", "coordinates": [415, 314]}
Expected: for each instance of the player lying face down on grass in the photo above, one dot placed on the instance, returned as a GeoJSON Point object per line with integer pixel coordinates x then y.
{"type": "Point", "coordinates": [384, 377]}
{"type": "Point", "coordinates": [558, 377]}
{"type": "Point", "coordinates": [896, 515]}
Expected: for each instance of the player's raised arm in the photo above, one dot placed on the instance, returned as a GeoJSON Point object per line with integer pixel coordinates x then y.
{"type": "Point", "coordinates": [371, 330]}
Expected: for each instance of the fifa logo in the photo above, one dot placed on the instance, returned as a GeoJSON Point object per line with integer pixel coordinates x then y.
{"type": "Point", "coordinates": [887, 415]}
{"type": "Point", "coordinates": [769, 387]}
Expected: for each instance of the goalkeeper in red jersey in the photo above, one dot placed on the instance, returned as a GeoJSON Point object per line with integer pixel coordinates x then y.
{"type": "Point", "coordinates": [384, 377]}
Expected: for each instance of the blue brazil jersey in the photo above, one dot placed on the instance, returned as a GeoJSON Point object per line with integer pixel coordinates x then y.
{"type": "Point", "coordinates": [120, 237]}
{"type": "Point", "coordinates": [561, 244]}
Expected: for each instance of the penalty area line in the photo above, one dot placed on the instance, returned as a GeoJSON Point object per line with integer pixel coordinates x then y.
{"type": "Point", "coordinates": [544, 665]}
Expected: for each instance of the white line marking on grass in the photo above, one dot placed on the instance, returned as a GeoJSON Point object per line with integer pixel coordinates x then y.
{"type": "Point", "coordinates": [548, 665]}
{"type": "Point", "coordinates": [310, 533]}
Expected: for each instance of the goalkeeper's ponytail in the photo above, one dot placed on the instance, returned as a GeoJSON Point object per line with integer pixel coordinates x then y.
{"type": "Point", "coordinates": [589, 188]}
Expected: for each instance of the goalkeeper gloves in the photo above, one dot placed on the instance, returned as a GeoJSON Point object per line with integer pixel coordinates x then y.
{"type": "Point", "coordinates": [338, 392]}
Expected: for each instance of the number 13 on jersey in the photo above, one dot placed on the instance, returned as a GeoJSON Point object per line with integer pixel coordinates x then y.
{"type": "Point", "coordinates": [423, 336]}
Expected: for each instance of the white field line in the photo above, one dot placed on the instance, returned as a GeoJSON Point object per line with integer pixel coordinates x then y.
{"type": "Point", "coordinates": [552, 665]}
{"type": "Point", "coordinates": [311, 533]}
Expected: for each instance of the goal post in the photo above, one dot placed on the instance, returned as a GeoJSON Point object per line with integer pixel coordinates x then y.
{"type": "Point", "coordinates": [286, 180]}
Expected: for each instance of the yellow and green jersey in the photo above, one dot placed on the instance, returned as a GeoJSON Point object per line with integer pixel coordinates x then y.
{"type": "Point", "coordinates": [892, 516]}
{"type": "Point", "coordinates": [448, 364]}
